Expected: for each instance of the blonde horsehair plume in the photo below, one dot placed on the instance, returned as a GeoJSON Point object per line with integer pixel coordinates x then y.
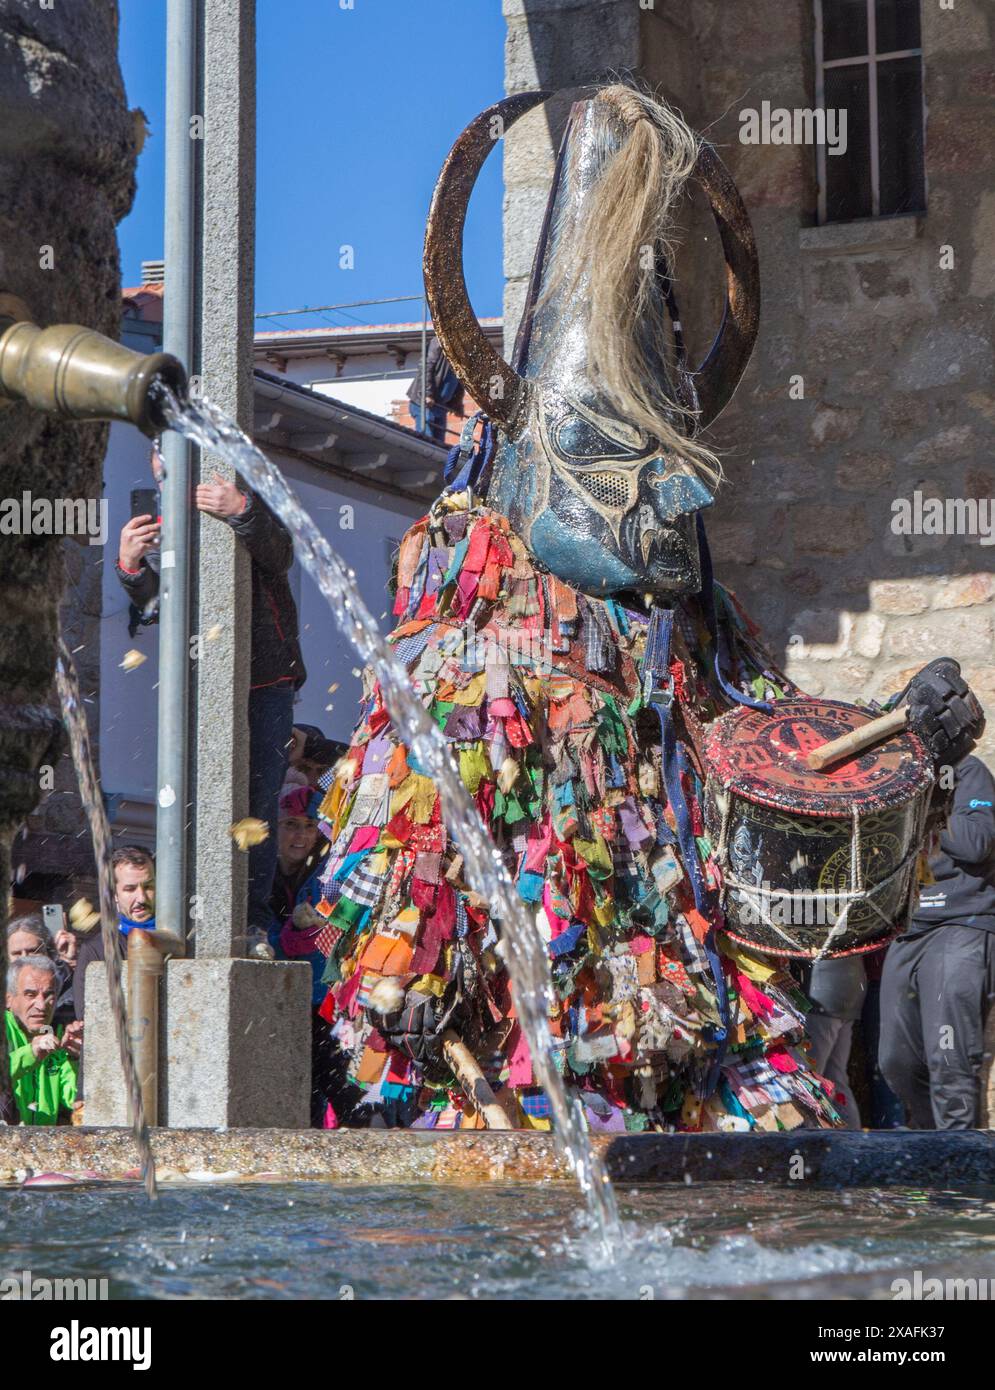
{"type": "Point", "coordinates": [627, 223]}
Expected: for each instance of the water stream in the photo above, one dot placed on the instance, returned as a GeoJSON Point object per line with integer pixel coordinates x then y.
{"type": "Point", "coordinates": [524, 952]}
{"type": "Point", "coordinates": [100, 834]}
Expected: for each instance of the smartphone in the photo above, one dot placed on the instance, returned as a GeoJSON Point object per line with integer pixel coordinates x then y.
{"type": "Point", "coordinates": [53, 916]}
{"type": "Point", "coordinates": [145, 502]}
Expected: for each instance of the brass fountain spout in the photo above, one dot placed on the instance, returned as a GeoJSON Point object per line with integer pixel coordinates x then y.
{"type": "Point", "coordinates": [78, 374]}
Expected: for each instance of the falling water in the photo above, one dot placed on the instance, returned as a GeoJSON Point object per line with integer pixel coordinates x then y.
{"type": "Point", "coordinates": [89, 786]}
{"type": "Point", "coordinates": [524, 951]}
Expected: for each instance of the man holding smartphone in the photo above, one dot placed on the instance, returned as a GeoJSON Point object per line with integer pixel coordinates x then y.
{"type": "Point", "coordinates": [277, 669]}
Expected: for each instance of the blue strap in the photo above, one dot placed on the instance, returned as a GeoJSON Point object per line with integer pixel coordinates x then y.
{"type": "Point", "coordinates": [676, 798]}
{"type": "Point", "coordinates": [717, 633]}
{"type": "Point", "coordinates": [673, 764]}
{"type": "Point", "coordinates": [468, 464]}
{"type": "Point", "coordinates": [658, 689]}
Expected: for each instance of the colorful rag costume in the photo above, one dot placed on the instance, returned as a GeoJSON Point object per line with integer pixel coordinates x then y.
{"type": "Point", "coordinates": [541, 691]}
{"type": "Point", "coordinates": [571, 645]}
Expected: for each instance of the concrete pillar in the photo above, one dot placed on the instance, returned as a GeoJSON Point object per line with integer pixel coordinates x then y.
{"type": "Point", "coordinates": [251, 1024]}
{"type": "Point", "coordinates": [221, 676]}
{"type": "Point", "coordinates": [234, 1046]}
{"type": "Point", "coordinates": [236, 1033]}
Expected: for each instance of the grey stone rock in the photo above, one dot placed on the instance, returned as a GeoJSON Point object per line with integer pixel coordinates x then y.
{"type": "Point", "coordinates": [945, 355]}
{"type": "Point", "coordinates": [238, 1044]}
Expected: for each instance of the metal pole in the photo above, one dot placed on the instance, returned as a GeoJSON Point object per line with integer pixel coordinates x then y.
{"type": "Point", "coordinates": [174, 593]}
{"type": "Point", "coordinates": [424, 361]}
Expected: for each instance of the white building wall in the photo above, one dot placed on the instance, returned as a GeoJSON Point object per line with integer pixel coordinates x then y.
{"type": "Point", "coordinates": [372, 381]}
{"type": "Point", "coordinates": [379, 520]}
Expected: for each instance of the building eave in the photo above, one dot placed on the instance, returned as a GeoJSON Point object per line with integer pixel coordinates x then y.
{"type": "Point", "coordinates": [346, 439]}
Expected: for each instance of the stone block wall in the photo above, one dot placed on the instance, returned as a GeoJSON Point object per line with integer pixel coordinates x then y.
{"type": "Point", "coordinates": [893, 350]}
{"type": "Point", "coordinates": [67, 159]}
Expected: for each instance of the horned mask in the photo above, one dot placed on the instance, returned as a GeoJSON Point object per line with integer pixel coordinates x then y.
{"type": "Point", "coordinates": [597, 468]}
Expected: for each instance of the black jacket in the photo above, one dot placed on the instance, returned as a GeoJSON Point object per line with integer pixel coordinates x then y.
{"type": "Point", "coordinates": [964, 865]}
{"type": "Point", "coordinates": [444, 386]}
{"type": "Point", "coordinates": [276, 651]}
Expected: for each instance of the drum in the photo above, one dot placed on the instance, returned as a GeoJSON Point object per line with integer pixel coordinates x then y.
{"type": "Point", "coordinates": [813, 863]}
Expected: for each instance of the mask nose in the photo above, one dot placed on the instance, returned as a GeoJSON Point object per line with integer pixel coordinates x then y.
{"type": "Point", "coordinates": [674, 493]}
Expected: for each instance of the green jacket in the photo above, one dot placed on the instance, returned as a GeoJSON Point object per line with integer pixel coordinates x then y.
{"type": "Point", "coordinates": [40, 1088]}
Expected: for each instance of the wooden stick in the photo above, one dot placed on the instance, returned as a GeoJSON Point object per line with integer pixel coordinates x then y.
{"type": "Point", "coordinates": [473, 1081]}
{"type": "Point", "coordinates": [858, 740]}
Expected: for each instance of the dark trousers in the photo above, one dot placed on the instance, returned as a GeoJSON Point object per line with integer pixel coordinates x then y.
{"type": "Point", "coordinates": [437, 418]}
{"type": "Point", "coordinates": [887, 1111]}
{"type": "Point", "coordinates": [271, 721]}
{"type": "Point", "coordinates": [935, 993]}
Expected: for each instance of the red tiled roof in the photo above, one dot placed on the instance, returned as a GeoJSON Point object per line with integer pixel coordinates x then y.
{"type": "Point", "coordinates": [146, 300]}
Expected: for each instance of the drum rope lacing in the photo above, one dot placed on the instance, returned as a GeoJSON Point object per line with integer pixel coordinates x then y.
{"type": "Point", "coordinates": [858, 894]}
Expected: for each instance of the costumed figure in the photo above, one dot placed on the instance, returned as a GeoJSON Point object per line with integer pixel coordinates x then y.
{"type": "Point", "coordinates": [598, 688]}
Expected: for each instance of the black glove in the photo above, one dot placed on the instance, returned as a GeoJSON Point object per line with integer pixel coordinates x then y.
{"type": "Point", "coordinates": [943, 711]}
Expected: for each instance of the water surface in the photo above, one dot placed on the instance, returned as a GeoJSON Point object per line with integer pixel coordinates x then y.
{"type": "Point", "coordinates": [316, 1240]}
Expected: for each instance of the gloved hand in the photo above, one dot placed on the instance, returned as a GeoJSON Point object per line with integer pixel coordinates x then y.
{"type": "Point", "coordinates": [943, 711]}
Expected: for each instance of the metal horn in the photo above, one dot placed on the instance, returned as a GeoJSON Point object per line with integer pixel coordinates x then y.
{"type": "Point", "coordinates": [720, 373]}
{"type": "Point", "coordinates": [473, 359]}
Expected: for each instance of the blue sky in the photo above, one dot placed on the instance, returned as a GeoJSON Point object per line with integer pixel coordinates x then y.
{"type": "Point", "coordinates": [357, 109]}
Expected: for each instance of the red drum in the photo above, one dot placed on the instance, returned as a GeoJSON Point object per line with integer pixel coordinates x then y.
{"type": "Point", "coordinates": [813, 863]}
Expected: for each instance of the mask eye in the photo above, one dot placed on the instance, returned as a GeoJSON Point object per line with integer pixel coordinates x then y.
{"type": "Point", "coordinates": [577, 440]}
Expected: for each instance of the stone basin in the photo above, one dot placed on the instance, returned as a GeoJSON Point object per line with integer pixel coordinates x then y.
{"type": "Point", "coordinates": [864, 1159]}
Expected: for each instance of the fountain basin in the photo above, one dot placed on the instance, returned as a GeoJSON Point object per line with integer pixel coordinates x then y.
{"type": "Point", "coordinates": [804, 1158]}
{"type": "Point", "coordinates": [410, 1235]}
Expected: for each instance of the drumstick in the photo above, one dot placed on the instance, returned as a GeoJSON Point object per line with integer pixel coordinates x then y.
{"type": "Point", "coordinates": [467, 1069]}
{"type": "Point", "coordinates": [857, 740]}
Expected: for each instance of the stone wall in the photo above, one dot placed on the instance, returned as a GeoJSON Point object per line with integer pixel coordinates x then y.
{"type": "Point", "coordinates": [67, 159]}
{"type": "Point", "coordinates": [67, 156]}
{"type": "Point", "coordinates": [895, 352]}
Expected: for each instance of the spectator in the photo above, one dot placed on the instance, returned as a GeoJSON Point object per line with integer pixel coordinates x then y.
{"type": "Point", "coordinates": [134, 896]}
{"type": "Point", "coordinates": [887, 1111]}
{"type": "Point", "coordinates": [277, 669]}
{"type": "Point", "coordinates": [939, 976]}
{"type": "Point", "coordinates": [42, 1059]}
{"type": "Point", "coordinates": [29, 936]}
{"type": "Point", "coordinates": [296, 935]}
{"type": "Point", "coordinates": [312, 754]}
{"type": "Point", "coordinates": [66, 946]}
{"type": "Point", "coordinates": [445, 394]}
{"type": "Point", "coordinates": [836, 989]}
{"type": "Point", "coordinates": [297, 833]}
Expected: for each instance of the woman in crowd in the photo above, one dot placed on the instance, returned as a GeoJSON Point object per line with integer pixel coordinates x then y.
{"type": "Point", "coordinates": [29, 936]}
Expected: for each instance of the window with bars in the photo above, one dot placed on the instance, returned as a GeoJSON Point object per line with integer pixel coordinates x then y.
{"type": "Point", "coordinates": [868, 61]}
